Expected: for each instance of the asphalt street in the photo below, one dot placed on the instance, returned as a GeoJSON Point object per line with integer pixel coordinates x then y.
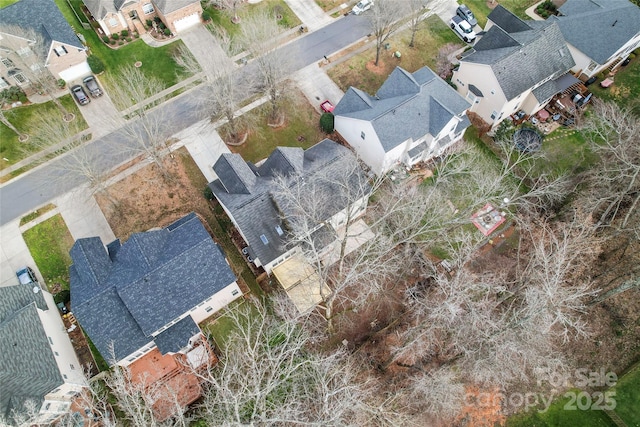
{"type": "Point", "coordinates": [55, 178]}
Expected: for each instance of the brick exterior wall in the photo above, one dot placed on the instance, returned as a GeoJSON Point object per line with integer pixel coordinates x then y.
{"type": "Point", "coordinates": [179, 14]}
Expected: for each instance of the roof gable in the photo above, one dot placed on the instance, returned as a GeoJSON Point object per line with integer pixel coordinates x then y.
{"type": "Point", "coordinates": [506, 20]}
{"type": "Point", "coordinates": [424, 104]}
{"type": "Point", "coordinates": [234, 173]}
{"type": "Point", "coordinates": [43, 17]}
{"type": "Point", "coordinates": [610, 26]}
{"type": "Point", "coordinates": [353, 100]}
{"type": "Point", "coordinates": [283, 161]}
{"type": "Point", "coordinates": [28, 370]}
{"type": "Point", "coordinates": [155, 277]}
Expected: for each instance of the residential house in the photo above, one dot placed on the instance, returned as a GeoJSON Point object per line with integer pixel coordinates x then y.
{"type": "Point", "coordinates": [150, 292]}
{"type": "Point", "coordinates": [250, 196]}
{"type": "Point", "coordinates": [599, 33]}
{"type": "Point", "coordinates": [66, 56]}
{"type": "Point", "coordinates": [38, 364]}
{"type": "Point", "coordinates": [412, 118]}
{"type": "Point", "coordinates": [516, 65]}
{"type": "Point", "coordinates": [113, 16]}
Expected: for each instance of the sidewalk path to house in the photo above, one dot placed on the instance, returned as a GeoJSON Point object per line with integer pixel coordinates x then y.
{"type": "Point", "coordinates": [531, 12]}
{"type": "Point", "coordinates": [317, 85]}
{"type": "Point", "coordinates": [202, 44]}
{"type": "Point", "coordinates": [204, 145]}
{"type": "Point", "coordinates": [311, 15]}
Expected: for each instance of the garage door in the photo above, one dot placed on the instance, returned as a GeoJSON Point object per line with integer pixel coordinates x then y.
{"type": "Point", "coordinates": [186, 22]}
{"type": "Point", "coordinates": [75, 72]}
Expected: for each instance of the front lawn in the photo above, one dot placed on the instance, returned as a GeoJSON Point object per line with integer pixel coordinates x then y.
{"type": "Point", "coordinates": [354, 72]}
{"type": "Point", "coordinates": [481, 9]}
{"type": "Point", "coordinates": [22, 118]}
{"type": "Point", "coordinates": [277, 8]}
{"type": "Point", "coordinates": [628, 397]}
{"type": "Point", "coordinates": [49, 243]}
{"type": "Point", "coordinates": [300, 130]}
{"type": "Point", "coordinates": [156, 61]}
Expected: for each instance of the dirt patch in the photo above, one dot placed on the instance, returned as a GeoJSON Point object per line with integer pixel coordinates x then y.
{"type": "Point", "coordinates": [491, 4]}
{"type": "Point", "coordinates": [147, 199]}
{"type": "Point", "coordinates": [377, 69]}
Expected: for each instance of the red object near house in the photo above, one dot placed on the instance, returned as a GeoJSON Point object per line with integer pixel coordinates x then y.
{"type": "Point", "coordinates": [606, 82]}
{"type": "Point", "coordinates": [327, 106]}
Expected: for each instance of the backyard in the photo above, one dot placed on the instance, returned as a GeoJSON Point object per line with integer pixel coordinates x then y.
{"type": "Point", "coordinates": [354, 71]}
{"type": "Point", "coordinates": [626, 88]}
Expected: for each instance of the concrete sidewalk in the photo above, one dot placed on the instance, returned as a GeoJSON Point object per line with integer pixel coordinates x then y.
{"type": "Point", "coordinates": [204, 145]}
{"type": "Point", "coordinates": [311, 15]}
{"type": "Point", "coordinates": [83, 216]}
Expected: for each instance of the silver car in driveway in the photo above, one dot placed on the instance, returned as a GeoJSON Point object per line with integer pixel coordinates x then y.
{"type": "Point", "coordinates": [92, 86]}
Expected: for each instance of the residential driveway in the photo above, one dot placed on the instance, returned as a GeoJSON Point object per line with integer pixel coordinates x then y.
{"type": "Point", "coordinates": [14, 253]}
{"type": "Point", "coordinates": [311, 15]}
{"type": "Point", "coordinates": [204, 145]}
{"type": "Point", "coordinates": [317, 86]}
{"type": "Point", "coordinates": [101, 115]}
{"type": "Point", "coordinates": [83, 216]}
{"type": "Point", "coordinates": [445, 9]}
{"type": "Point", "coordinates": [201, 43]}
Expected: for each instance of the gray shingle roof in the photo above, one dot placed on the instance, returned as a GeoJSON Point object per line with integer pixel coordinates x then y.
{"type": "Point", "coordinates": [168, 6]}
{"type": "Point", "coordinates": [43, 17]}
{"type": "Point", "coordinates": [507, 20]}
{"type": "Point", "coordinates": [522, 60]}
{"type": "Point", "coordinates": [599, 29]}
{"type": "Point", "coordinates": [155, 277]}
{"type": "Point", "coordinates": [550, 88]}
{"type": "Point", "coordinates": [28, 370]}
{"type": "Point", "coordinates": [261, 211]}
{"type": "Point", "coordinates": [406, 106]}
{"type": "Point", "coordinates": [175, 338]}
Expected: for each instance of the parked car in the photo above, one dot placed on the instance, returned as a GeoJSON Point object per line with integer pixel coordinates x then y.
{"type": "Point", "coordinates": [625, 62]}
{"type": "Point", "coordinates": [591, 80]}
{"type": "Point", "coordinates": [463, 29]}
{"type": "Point", "coordinates": [92, 86]}
{"type": "Point", "coordinates": [80, 95]}
{"type": "Point", "coordinates": [465, 13]}
{"type": "Point", "coordinates": [362, 6]}
{"type": "Point", "coordinates": [26, 276]}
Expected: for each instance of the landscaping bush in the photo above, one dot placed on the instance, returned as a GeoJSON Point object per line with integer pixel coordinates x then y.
{"type": "Point", "coordinates": [61, 83]}
{"type": "Point", "coordinates": [206, 16]}
{"type": "Point", "coordinates": [13, 94]}
{"type": "Point", "coordinates": [326, 122]}
{"type": "Point", "coordinates": [64, 296]}
{"type": "Point", "coordinates": [149, 23]}
{"type": "Point", "coordinates": [136, 35]}
{"type": "Point", "coordinates": [112, 42]}
{"type": "Point", "coordinates": [121, 42]}
{"type": "Point", "coordinates": [115, 36]}
{"type": "Point", "coordinates": [96, 64]}
{"type": "Point", "coordinates": [124, 33]}
{"type": "Point", "coordinates": [167, 32]}
{"type": "Point", "coordinates": [632, 55]}
{"type": "Point", "coordinates": [129, 39]}
{"type": "Point", "coordinates": [207, 193]}
{"type": "Point", "coordinates": [95, 24]}
{"type": "Point", "coordinates": [602, 75]}
{"type": "Point", "coordinates": [105, 39]}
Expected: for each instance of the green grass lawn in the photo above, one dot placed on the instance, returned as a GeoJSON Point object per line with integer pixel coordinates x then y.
{"type": "Point", "coordinates": [156, 61]}
{"type": "Point", "coordinates": [22, 118]}
{"type": "Point", "coordinates": [557, 416]}
{"type": "Point", "coordinates": [565, 152]}
{"type": "Point", "coordinates": [433, 35]}
{"type": "Point", "coordinates": [626, 89]}
{"type": "Point", "coordinates": [301, 130]}
{"type": "Point", "coordinates": [221, 327]}
{"type": "Point", "coordinates": [628, 397]}
{"type": "Point", "coordinates": [220, 18]}
{"type": "Point", "coordinates": [49, 243]}
{"type": "Point", "coordinates": [480, 8]}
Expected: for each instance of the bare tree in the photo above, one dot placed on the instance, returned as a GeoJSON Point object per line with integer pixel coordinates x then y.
{"type": "Point", "coordinates": [419, 10]}
{"type": "Point", "coordinates": [259, 36]}
{"type": "Point", "coordinates": [268, 375]}
{"type": "Point", "coordinates": [614, 134]}
{"type": "Point", "coordinates": [384, 21]}
{"type": "Point", "coordinates": [29, 54]}
{"type": "Point", "coordinates": [5, 120]}
{"type": "Point", "coordinates": [443, 62]}
{"type": "Point", "coordinates": [229, 6]}
{"type": "Point", "coordinates": [147, 129]}
{"type": "Point", "coordinates": [225, 89]}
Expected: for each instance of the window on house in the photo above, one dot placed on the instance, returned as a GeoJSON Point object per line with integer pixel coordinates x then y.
{"type": "Point", "coordinates": [362, 134]}
{"type": "Point", "coordinates": [592, 66]}
{"type": "Point", "coordinates": [235, 292]}
{"type": "Point", "coordinates": [7, 62]}
{"type": "Point", "coordinates": [50, 340]}
{"type": "Point", "coordinates": [60, 50]}
{"type": "Point", "coordinates": [279, 230]}
{"type": "Point", "coordinates": [264, 239]}
{"type": "Point", "coordinates": [3, 83]}
{"type": "Point", "coordinates": [208, 309]}
{"type": "Point", "coordinates": [113, 22]}
{"type": "Point", "coordinates": [494, 115]}
{"type": "Point", "coordinates": [73, 368]}
{"type": "Point", "coordinates": [56, 353]}
{"type": "Point", "coordinates": [64, 376]}
{"type": "Point", "coordinates": [148, 8]}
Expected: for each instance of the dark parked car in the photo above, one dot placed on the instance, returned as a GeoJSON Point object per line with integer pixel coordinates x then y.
{"type": "Point", "coordinates": [625, 62]}
{"type": "Point", "coordinates": [465, 13]}
{"type": "Point", "coordinates": [591, 80]}
{"type": "Point", "coordinates": [26, 276]}
{"type": "Point", "coordinates": [92, 85]}
{"type": "Point", "coordinates": [80, 95]}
